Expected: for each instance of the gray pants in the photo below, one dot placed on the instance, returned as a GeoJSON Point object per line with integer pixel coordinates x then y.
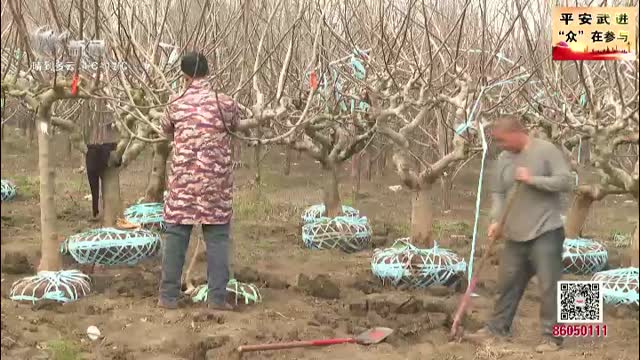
{"type": "Point", "coordinates": [542, 257]}
{"type": "Point", "coordinates": [174, 251]}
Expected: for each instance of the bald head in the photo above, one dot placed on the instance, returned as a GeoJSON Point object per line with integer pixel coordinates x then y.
{"type": "Point", "coordinates": [510, 134]}
{"type": "Point", "coordinates": [509, 123]}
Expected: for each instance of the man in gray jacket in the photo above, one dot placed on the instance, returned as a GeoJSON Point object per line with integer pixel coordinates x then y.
{"type": "Point", "coordinates": [533, 232]}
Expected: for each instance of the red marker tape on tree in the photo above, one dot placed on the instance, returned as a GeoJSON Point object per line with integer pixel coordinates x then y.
{"type": "Point", "coordinates": [313, 79]}
{"type": "Point", "coordinates": [74, 84]}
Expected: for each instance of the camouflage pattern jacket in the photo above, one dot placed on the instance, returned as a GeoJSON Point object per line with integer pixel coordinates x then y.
{"type": "Point", "coordinates": [201, 180]}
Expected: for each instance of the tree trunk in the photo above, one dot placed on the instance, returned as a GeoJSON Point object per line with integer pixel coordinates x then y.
{"type": "Point", "coordinates": [69, 148]}
{"type": "Point", "coordinates": [381, 162]}
{"type": "Point", "coordinates": [236, 151]}
{"type": "Point", "coordinates": [31, 130]}
{"type": "Point", "coordinates": [422, 217]}
{"type": "Point", "coordinates": [445, 185]}
{"type": "Point", "coordinates": [50, 247]}
{"type": "Point", "coordinates": [287, 161]}
{"type": "Point", "coordinates": [577, 215]}
{"type": "Point", "coordinates": [356, 176]}
{"type": "Point", "coordinates": [332, 203]}
{"type": "Point", "coordinates": [443, 150]}
{"type": "Point", "coordinates": [111, 201]}
{"type": "Point", "coordinates": [585, 155]}
{"type": "Point", "coordinates": [157, 178]}
{"type": "Point", "coordinates": [635, 248]}
{"type": "Point", "coordinates": [372, 167]}
{"type": "Point", "coordinates": [367, 165]}
{"type": "Point", "coordinates": [257, 160]}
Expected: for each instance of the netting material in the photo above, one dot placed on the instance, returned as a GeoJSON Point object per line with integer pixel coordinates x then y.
{"type": "Point", "coordinates": [238, 292]}
{"type": "Point", "coordinates": [583, 256]}
{"type": "Point", "coordinates": [405, 265]}
{"type": "Point", "coordinates": [330, 83]}
{"type": "Point", "coordinates": [8, 190]}
{"type": "Point", "coordinates": [316, 212]}
{"type": "Point", "coordinates": [147, 215]}
{"type": "Point", "coordinates": [62, 286]}
{"type": "Point", "coordinates": [349, 234]}
{"type": "Point", "coordinates": [110, 246]}
{"type": "Point", "coordinates": [619, 286]}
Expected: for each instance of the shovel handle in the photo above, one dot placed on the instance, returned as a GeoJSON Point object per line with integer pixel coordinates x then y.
{"type": "Point", "coordinates": [294, 344]}
{"type": "Point", "coordinates": [474, 278]}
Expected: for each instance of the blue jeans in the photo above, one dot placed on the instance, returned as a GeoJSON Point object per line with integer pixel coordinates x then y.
{"type": "Point", "coordinates": [542, 257]}
{"type": "Point", "coordinates": [174, 251]}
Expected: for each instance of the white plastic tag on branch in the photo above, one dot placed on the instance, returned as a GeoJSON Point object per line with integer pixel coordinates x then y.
{"type": "Point", "coordinates": [44, 128]}
{"type": "Point", "coordinates": [174, 56]}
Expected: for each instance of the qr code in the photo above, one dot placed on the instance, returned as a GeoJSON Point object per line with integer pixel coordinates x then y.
{"type": "Point", "coordinates": [579, 302]}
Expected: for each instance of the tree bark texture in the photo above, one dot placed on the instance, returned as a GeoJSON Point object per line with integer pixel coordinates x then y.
{"type": "Point", "coordinates": [422, 217]}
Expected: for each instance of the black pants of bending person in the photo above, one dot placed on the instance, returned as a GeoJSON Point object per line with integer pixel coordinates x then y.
{"type": "Point", "coordinates": [520, 261]}
{"type": "Point", "coordinates": [97, 160]}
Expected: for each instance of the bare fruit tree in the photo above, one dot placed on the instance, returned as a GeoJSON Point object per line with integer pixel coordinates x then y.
{"type": "Point", "coordinates": [42, 90]}
{"type": "Point", "coordinates": [421, 89]}
{"type": "Point", "coordinates": [606, 117]}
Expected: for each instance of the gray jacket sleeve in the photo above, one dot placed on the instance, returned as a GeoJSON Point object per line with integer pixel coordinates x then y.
{"type": "Point", "coordinates": [560, 178]}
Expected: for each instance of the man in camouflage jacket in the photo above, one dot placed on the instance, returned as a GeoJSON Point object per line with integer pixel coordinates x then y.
{"type": "Point", "coordinates": [200, 184]}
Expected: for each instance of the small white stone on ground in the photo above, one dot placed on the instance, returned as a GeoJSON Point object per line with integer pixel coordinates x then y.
{"type": "Point", "coordinates": [93, 332]}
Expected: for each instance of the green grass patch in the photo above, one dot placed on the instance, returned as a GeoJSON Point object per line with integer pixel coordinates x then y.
{"type": "Point", "coordinates": [63, 350]}
{"type": "Point", "coordinates": [441, 228]}
{"type": "Point", "coordinates": [452, 228]}
{"type": "Point", "coordinates": [255, 204]}
{"type": "Point", "coordinates": [27, 186]}
{"type": "Point", "coordinates": [348, 201]}
{"type": "Point", "coordinates": [251, 204]}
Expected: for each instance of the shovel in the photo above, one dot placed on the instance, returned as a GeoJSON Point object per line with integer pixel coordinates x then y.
{"type": "Point", "coordinates": [456, 329]}
{"type": "Point", "coordinates": [369, 337]}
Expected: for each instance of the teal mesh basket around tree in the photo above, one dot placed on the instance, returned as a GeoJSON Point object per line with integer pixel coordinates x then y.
{"type": "Point", "coordinates": [316, 212]}
{"type": "Point", "coordinates": [583, 256]}
{"type": "Point", "coordinates": [619, 286]}
{"type": "Point", "coordinates": [61, 286]}
{"type": "Point", "coordinates": [110, 246]}
{"type": "Point", "coordinates": [148, 215]}
{"type": "Point", "coordinates": [8, 190]}
{"type": "Point", "coordinates": [349, 234]}
{"type": "Point", "coordinates": [407, 266]}
{"type": "Point", "coordinates": [237, 293]}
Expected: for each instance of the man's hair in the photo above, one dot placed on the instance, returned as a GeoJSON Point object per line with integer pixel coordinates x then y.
{"type": "Point", "coordinates": [510, 123]}
{"type": "Point", "coordinates": [194, 64]}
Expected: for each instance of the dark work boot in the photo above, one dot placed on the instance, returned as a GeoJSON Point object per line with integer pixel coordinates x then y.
{"type": "Point", "coordinates": [221, 307]}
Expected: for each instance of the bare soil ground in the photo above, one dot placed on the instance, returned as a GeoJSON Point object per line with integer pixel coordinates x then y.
{"type": "Point", "coordinates": [268, 245]}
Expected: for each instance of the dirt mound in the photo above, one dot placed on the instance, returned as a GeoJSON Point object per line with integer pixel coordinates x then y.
{"type": "Point", "coordinates": [398, 303]}
{"type": "Point", "coordinates": [200, 348]}
{"type": "Point", "coordinates": [16, 263]}
{"type": "Point", "coordinates": [129, 285]}
{"type": "Point", "coordinates": [320, 286]}
{"type": "Point", "coordinates": [260, 279]}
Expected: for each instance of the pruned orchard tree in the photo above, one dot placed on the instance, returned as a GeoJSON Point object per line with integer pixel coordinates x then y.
{"type": "Point", "coordinates": [236, 71]}
{"type": "Point", "coordinates": [606, 117]}
{"type": "Point", "coordinates": [420, 85]}
{"type": "Point", "coordinates": [137, 96]}
{"type": "Point", "coordinates": [609, 121]}
{"type": "Point", "coordinates": [41, 90]}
